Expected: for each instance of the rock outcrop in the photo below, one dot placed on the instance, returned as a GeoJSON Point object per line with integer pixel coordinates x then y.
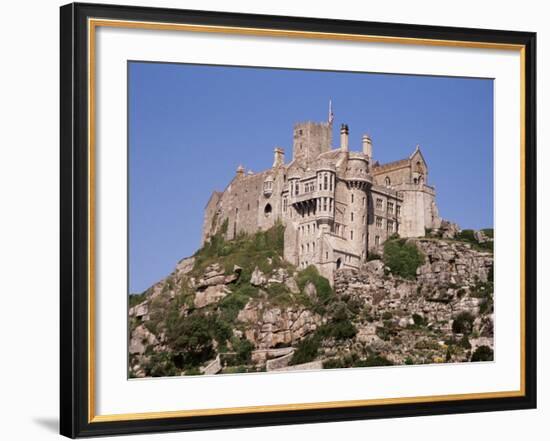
{"type": "Point", "coordinates": [215, 316]}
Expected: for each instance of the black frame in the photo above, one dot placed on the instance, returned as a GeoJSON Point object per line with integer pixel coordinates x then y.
{"type": "Point", "coordinates": [74, 220]}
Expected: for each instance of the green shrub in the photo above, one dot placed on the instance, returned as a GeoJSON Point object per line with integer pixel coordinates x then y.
{"type": "Point", "coordinates": [374, 360]}
{"type": "Point", "coordinates": [483, 353]}
{"type": "Point", "coordinates": [307, 350]}
{"type": "Point", "coordinates": [402, 258]}
{"type": "Point", "coordinates": [136, 299]}
{"type": "Point", "coordinates": [373, 256]}
{"type": "Point", "coordinates": [322, 285]}
{"type": "Point", "coordinates": [465, 342]}
{"type": "Point", "coordinates": [243, 351]}
{"type": "Point", "coordinates": [419, 321]}
{"type": "Point", "coordinates": [160, 365]}
{"type": "Point", "coordinates": [463, 323]}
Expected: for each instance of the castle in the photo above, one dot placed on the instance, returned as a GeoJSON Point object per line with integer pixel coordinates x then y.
{"type": "Point", "coordinates": [337, 205]}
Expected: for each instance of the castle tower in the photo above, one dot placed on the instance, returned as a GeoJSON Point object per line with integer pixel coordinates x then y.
{"type": "Point", "coordinates": [310, 140]}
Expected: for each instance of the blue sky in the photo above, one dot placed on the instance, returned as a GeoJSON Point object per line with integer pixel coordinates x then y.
{"type": "Point", "coordinates": [191, 126]}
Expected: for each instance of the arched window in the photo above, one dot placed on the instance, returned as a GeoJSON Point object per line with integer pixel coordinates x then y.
{"type": "Point", "coordinates": [267, 209]}
{"type": "Point", "coordinates": [338, 263]}
{"type": "Point", "coordinates": [387, 181]}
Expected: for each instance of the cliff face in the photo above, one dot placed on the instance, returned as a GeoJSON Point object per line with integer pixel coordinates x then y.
{"type": "Point", "coordinates": [239, 307]}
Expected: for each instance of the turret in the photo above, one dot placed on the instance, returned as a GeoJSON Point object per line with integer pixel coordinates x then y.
{"type": "Point", "coordinates": [344, 138]}
{"type": "Point", "coordinates": [367, 146]}
{"type": "Point", "coordinates": [240, 171]}
{"type": "Point", "coordinates": [278, 157]}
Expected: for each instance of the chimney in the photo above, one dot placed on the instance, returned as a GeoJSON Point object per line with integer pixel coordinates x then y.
{"type": "Point", "coordinates": [344, 138]}
{"type": "Point", "coordinates": [367, 145]}
{"type": "Point", "coordinates": [278, 157]}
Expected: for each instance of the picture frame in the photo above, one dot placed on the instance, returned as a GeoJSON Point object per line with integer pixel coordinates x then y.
{"type": "Point", "coordinates": [79, 322]}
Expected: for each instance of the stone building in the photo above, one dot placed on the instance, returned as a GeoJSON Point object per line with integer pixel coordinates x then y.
{"type": "Point", "coordinates": [337, 205]}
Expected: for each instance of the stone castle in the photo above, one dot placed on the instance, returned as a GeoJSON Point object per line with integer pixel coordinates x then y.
{"type": "Point", "coordinates": [337, 205]}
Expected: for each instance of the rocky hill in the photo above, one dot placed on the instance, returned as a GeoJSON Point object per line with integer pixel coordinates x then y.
{"type": "Point", "coordinates": [239, 307]}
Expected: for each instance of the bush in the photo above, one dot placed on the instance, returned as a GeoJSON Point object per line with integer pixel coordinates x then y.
{"type": "Point", "coordinates": [306, 350]}
{"type": "Point", "coordinates": [190, 339]}
{"type": "Point", "coordinates": [463, 323]}
{"type": "Point", "coordinates": [160, 365]}
{"type": "Point", "coordinates": [374, 360]}
{"type": "Point", "coordinates": [402, 258]}
{"type": "Point", "coordinates": [373, 256]}
{"type": "Point", "coordinates": [136, 299]}
{"type": "Point", "coordinates": [322, 285]}
{"type": "Point", "coordinates": [483, 353]}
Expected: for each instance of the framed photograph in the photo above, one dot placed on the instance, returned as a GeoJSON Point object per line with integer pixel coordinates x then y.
{"type": "Point", "coordinates": [275, 220]}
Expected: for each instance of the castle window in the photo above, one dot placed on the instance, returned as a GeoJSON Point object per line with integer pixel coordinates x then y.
{"type": "Point", "coordinates": [325, 180]}
{"type": "Point", "coordinates": [313, 245]}
{"type": "Point", "coordinates": [302, 247]}
{"type": "Point", "coordinates": [308, 229]}
{"type": "Point", "coordinates": [379, 203]}
{"type": "Point", "coordinates": [248, 207]}
{"type": "Point", "coordinates": [387, 181]}
{"type": "Point", "coordinates": [363, 219]}
{"type": "Point", "coordinates": [364, 202]}
{"type": "Point", "coordinates": [331, 182]}
{"type": "Point", "coordinates": [285, 204]}
{"type": "Point", "coordinates": [351, 234]}
{"type": "Point", "coordinates": [378, 221]}
{"type": "Point", "coordinates": [300, 132]}
{"type": "Point", "coordinates": [377, 240]}
{"type": "Point", "coordinates": [267, 209]}
{"type": "Point", "coordinates": [398, 210]}
{"type": "Point", "coordinates": [308, 248]}
{"type": "Point", "coordinates": [324, 204]}
{"type": "Point", "coordinates": [326, 255]}
{"type": "Point", "coordinates": [390, 226]}
{"type": "Point", "coordinates": [352, 216]}
{"type": "Point", "coordinates": [390, 207]}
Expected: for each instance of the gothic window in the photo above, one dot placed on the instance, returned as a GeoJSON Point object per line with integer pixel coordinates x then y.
{"type": "Point", "coordinates": [331, 181]}
{"type": "Point", "coordinates": [377, 240]}
{"type": "Point", "coordinates": [324, 204]}
{"type": "Point", "coordinates": [390, 207]}
{"type": "Point", "coordinates": [352, 216]}
{"type": "Point", "coordinates": [363, 219]}
{"type": "Point", "coordinates": [387, 181]}
{"type": "Point", "coordinates": [248, 207]}
{"type": "Point", "coordinates": [390, 226]}
{"type": "Point", "coordinates": [285, 204]}
{"type": "Point", "coordinates": [398, 210]}
{"type": "Point", "coordinates": [267, 209]}
{"type": "Point", "coordinates": [379, 203]}
{"type": "Point", "coordinates": [378, 221]}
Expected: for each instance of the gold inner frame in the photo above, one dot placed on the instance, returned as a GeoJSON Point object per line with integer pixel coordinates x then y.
{"type": "Point", "coordinates": [92, 25]}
